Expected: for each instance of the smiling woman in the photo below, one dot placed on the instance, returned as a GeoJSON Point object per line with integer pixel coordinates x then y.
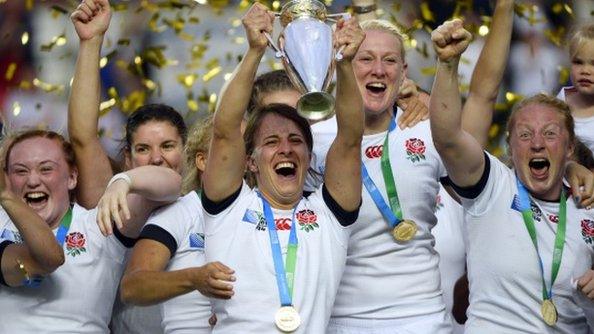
{"type": "Point", "coordinates": [248, 229]}
{"type": "Point", "coordinates": [41, 173]}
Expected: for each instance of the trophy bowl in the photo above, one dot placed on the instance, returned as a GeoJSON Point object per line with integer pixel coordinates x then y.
{"type": "Point", "coordinates": [308, 56]}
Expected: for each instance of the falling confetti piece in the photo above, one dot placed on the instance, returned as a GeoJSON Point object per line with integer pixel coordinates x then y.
{"type": "Point", "coordinates": [10, 71]}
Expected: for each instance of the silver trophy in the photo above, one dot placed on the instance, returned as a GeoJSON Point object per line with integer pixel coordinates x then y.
{"type": "Point", "coordinates": [305, 47]}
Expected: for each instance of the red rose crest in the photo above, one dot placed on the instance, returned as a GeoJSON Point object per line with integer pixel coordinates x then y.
{"type": "Point", "coordinates": [307, 220]}
{"type": "Point", "coordinates": [415, 149]}
{"type": "Point", "coordinates": [75, 244]}
{"type": "Point", "coordinates": [588, 230]}
{"type": "Point", "coordinates": [554, 219]}
{"type": "Point", "coordinates": [283, 224]}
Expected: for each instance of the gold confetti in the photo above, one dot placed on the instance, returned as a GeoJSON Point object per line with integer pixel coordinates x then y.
{"type": "Point", "coordinates": [426, 12]}
{"type": "Point", "coordinates": [187, 80]}
{"type": "Point", "coordinates": [10, 71]}
{"type": "Point", "coordinates": [149, 84]}
{"type": "Point", "coordinates": [16, 108]}
{"type": "Point", "coordinates": [483, 30]}
{"type": "Point", "coordinates": [124, 41]}
{"type": "Point", "coordinates": [428, 71]}
{"type": "Point", "coordinates": [25, 38]}
{"type": "Point", "coordinates": [106, 106]}
{"type": "Point", "coordinates": [47, 87]}
{"type": "Point", "coordinates": [563, 75]}
{"type": "Point", "coordinates": [494, 131]}
{"type": "Point", "coordinates": [56, 41]}
{"type": "Point", "coordinates": [555, 36]}
{"type": "Point", "coordinates": [512, 97]}
{"type": "Point", "coordinates": [212, 73]}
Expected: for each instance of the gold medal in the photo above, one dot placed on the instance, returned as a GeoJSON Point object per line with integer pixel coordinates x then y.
{"type": "Point", "coordinates": [549, 312]}
{"type": "Point", "coordinates": [287, 319]}
{"type": "Point", "coordinates": [405, 230]}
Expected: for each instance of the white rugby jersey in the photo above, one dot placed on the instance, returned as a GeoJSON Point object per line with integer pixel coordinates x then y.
{"type": "Point", "coordinates": [237, 236]}
{"type": "Point", "coordinates": [78, 296]}
{"type": "Point", "coordinates": [180, 227]}
{"type": "Point", "coordinates": [385, 279]}
{"type": "Point", "coordinates": [503, 267]}
{"type": "Point", "coordinates": [584, 126]}
{"type": "Point", "coordinates": [450, 245]}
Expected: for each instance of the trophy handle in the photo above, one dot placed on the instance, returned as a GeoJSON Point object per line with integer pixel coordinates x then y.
{"type": "Point", "coordinates": [344, 16]}
{"type": "Point", "coordinates": [277, 52]}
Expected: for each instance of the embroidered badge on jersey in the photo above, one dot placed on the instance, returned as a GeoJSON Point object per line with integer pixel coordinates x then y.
{"type": "Point", "coordinates": [197, 240]}
{"type": "Point", "coordinates": [415, 149]}
{"type": "Point", "coordinates": [307, 220]}
{"type": "Point", "coordinates": [75, 244]}
{"type": "Point", "coordinates": [553, 218]}
{"type": "Point", "coordinates": [438, 203]}
{"type": "Point", "coordinates": [13, 236]}
{"type": "Point", "coordinates": [588, 231]}
{"type": "Point", "coordinates": [256, 218]}
{"type": "Point", "coordinates": [282, 224]}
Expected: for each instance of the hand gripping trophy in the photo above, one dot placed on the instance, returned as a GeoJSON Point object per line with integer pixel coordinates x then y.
{"type": "Point", "coordinates": [305, 47]}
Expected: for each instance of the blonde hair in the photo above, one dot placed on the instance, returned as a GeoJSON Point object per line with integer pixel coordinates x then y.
{"type": "Point", "coordinates": [582, 35]}
{"type": "Point", "coordinates": [198, 141]}
{"type": "Point", "coordinates": [388, 27]}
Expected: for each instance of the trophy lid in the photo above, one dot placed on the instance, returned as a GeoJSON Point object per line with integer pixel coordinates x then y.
{"type": "Point", "coordinates": [302, 8]}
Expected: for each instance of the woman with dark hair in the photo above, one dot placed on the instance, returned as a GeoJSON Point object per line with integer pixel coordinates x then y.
{"type": "Point", "coordinates": [248, 229]}
{"type": "Point", "coordinates": [155, 135]}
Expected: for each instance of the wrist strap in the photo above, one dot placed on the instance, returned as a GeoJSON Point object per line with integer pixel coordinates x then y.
{"type": "Point", "coordinates": [120, 176]}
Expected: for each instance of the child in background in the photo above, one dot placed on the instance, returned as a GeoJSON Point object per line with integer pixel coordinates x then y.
{"type": "Point", "coordinates": [580, 96]}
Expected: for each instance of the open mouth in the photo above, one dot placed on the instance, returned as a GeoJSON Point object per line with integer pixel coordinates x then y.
{"type": "Point", "coordinates": [36, 199]}
{"type": "Point", "coordinates": [376, 87]}
{"type": "Point", "coordinates": [539, 167]}
{"type": "Point", "coordinates": [286, 169]}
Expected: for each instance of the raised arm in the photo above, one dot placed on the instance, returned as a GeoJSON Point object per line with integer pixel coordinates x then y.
{"type": "Point", "coordinates": [91, 20]}
{"type": "Point", "coordinates": [344, 156]}
{"type": "Point", "coordinates": [477, 113]}
{"type": "Point", "coordinates": [226, 162]}
{"type": "Point", "coordinates": [133, 195]}
{"type": "Point", "coordinates": [461, 153]}
{"type": "Point", "coordinates": [40, 253]}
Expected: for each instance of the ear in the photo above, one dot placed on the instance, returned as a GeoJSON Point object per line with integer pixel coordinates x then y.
{"type": "Point", "coordinates": [72, 178]}
{"type": "Point", "coordinates": [251, 164]}
{"type": "Point", "coordinates": [200, 161]}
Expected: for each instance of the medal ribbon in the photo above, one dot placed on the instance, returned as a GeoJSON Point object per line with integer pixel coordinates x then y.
{"type": "Point", "coordinates": [393, 213]}
{"type": "Point", "coordinates": [285, 273]}
{"type": "Point", "coordinates": [559, 235]}
{"type": "Point", "coordinates": [64, 227]}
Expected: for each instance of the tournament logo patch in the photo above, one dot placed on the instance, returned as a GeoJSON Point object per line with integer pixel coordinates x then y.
{"type": "Point", "coordinates": [13, 236]}
{"type": "Point", "coordinates": [307, 220]}
{"type": "Point", "coordinates": [197, 240]}
{"type": "Point", "coordinates": [415, 149]}
{"type": "Point", "coordinates": [536, 213]}
{"type": "Point", "coordinates": [256, 218]}
{"type": "Point", "coordinates": [553, 218]}
{"type": "Point", "coordinates": [588, 231]}
{"type": "Point", "coordinates": [373, 152]}
{"type": "Point", "coordinates": [75, 244]}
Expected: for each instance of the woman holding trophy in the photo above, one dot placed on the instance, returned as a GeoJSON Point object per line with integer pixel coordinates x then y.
{"type": "Point", "coordinates": [241, 224]}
